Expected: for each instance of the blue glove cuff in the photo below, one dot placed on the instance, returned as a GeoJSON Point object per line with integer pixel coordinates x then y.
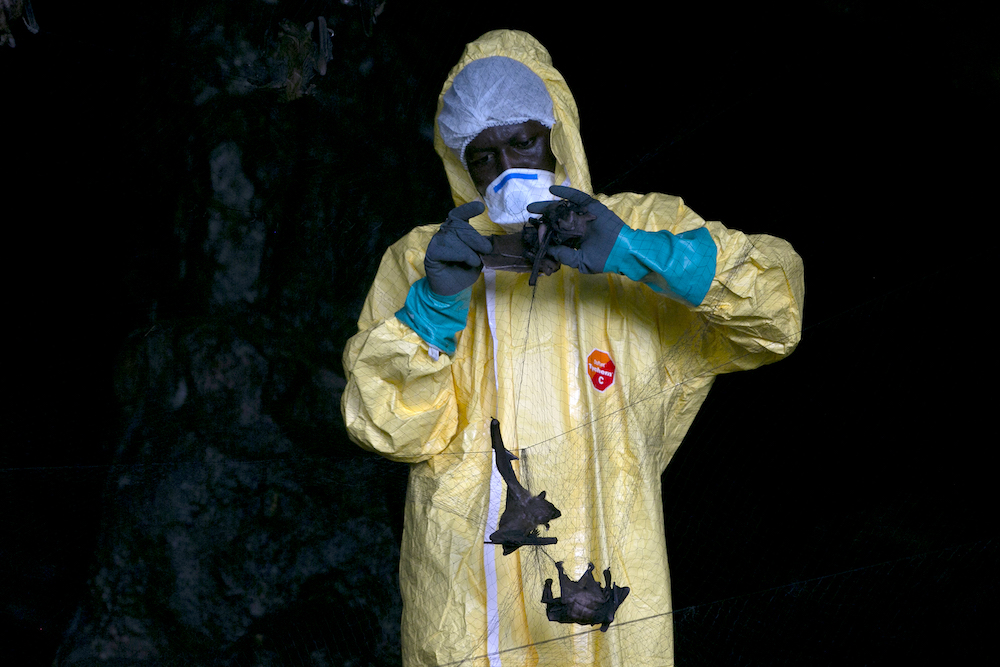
{"type": "Point", "coordinates": [680, 266]}
{"type": "Point", "coordinates": [435, 318]}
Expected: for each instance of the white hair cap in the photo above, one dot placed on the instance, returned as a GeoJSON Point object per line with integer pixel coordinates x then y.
{"type": "Point", "coordinates": [490, 92]}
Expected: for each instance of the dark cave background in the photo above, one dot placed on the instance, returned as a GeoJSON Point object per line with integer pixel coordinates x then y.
{"type": "Point", "coordinates": [176, 483]}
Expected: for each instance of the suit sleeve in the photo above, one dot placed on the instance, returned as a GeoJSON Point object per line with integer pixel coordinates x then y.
{"type": "Point", "coordinates": [752, 305]}
{"type": "Point", "coordinates": [400, 397]}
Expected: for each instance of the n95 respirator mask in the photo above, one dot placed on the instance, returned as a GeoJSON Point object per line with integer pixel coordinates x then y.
{"type": "Point", "coordinates": [508, 196]}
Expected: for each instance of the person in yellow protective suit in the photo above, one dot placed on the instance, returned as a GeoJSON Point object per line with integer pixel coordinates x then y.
{"type": "Point", "coordinates": [595, 374]}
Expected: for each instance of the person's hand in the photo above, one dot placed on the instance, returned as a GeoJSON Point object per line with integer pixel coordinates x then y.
{"type": "Point", "coordinates": [453, 261]}
{"type": "Point", "coordinates": [597, 240]}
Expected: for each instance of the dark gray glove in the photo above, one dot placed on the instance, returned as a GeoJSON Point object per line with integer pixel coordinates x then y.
{"type": "Point", "coordinates": [597, 241]}
{"type": "Point", "coordinates": [453, 262]}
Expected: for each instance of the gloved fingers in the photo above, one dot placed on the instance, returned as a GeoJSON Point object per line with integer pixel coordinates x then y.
{"type": "Point", "coordinates": [541, 206]}
{"type": "Point", "coordinates": [578, 197]}
{"type": "Point", "coordinates": [467, 211]}
{"type": "Point", "coordinates": [450, 248]}
{"type": "Point", "coordinates": [565, 255]}
{"type": "Point", "coordinates": [459, 227]}
{"type": "Point", "coordinates": [470, 238]}
{"type": "Point", "coordinates": [572, 194]}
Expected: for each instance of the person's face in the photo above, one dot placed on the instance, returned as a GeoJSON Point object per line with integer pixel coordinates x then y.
{"type": "Point", "coordinates": [497, 149]}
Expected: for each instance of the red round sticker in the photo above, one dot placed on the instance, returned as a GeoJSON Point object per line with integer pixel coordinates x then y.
{"type": "Point", "coordinates": [601, 369]}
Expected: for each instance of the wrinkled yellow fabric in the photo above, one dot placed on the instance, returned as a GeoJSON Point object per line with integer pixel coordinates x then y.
{"type": "Point", "coordinates": [598, 454]}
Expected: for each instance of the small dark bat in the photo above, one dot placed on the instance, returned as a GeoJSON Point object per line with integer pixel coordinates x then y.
{"type": "Point", "coordinates": [325, 47]}
{"type": "Point", "coordinates": [11, 10]}
{"type": "Point", "coordinates": [524, 512]}
{"type": "Point", "coordinates": [562, 223]}
{"type": "Point", "coordinates": [584, 602]}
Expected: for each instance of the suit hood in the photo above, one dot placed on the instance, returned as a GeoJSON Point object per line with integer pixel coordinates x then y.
{"type": "Point", "coordinates": [565, 140]}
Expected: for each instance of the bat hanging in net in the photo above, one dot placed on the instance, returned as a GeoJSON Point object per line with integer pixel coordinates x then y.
{"type": "Point", "coordinates": [524, 513]}
{"type": "Point", "coordinates": [584, 602]}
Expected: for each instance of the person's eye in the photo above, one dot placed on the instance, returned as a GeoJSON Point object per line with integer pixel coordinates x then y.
{"type": "Point", "coordinates": [526, 143]}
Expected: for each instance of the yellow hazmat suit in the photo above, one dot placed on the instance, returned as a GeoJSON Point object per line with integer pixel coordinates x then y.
{"type": "Point", "coordinates": [595, 380]}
